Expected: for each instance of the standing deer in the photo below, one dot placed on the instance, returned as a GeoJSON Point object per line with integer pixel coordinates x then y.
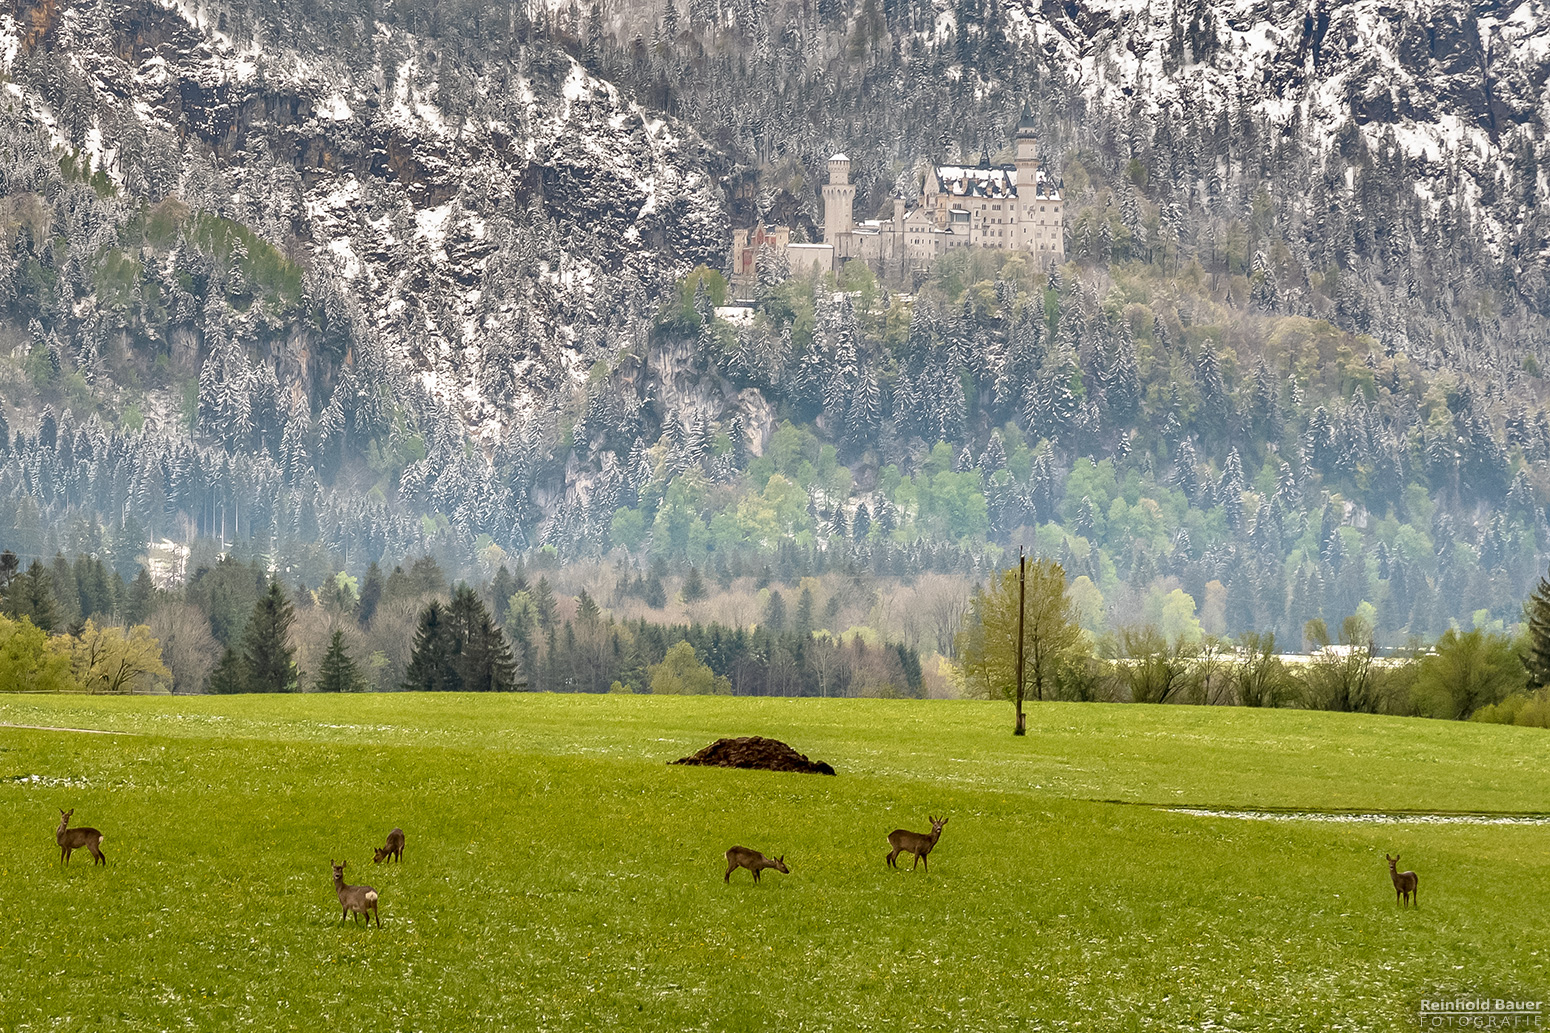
{"type": "Point", "coordinates": [71, 840]}
{"type": "Point", "coordinates": [917, 843]}
{"type": "Point", "coordinates": [359, 900]}
{"type": "Point", "coordinates": [743, 857]}
{"type": "Point", "coordinates": [394, 848]}
{"type": "Point", "coordinates": [1405, 883]}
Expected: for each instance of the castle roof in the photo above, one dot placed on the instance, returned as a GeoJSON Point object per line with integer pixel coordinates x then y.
{"type": "Point", "coordinates": [1026, 126]}
{"type": "Point", "coordinates": [994, 181]}
{"type": "Point", "coordinates": [840, 157]}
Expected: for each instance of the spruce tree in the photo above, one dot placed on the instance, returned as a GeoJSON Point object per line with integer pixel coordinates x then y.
{"type": "Point", "coordinates": [803, 624]}
{"type": "Point", "coordinates": [458, 647]}
{"type": "Point", "coordinates": [1536, 615]}
{"type": "Point", "coordinates": [486, 658]}
{"type": "Point", "coordinates": [656, 595]}
{"type": "Point", "coordinates": [141, 596]}
{"type": "Point", "coordinates": [430, 665]}
{"type": "Point", "coordinates": [544, 604]}
{"type": "Point", "coordinates": [694, 586]}
{"type": "Point", "coordinates": [31, 595]}
{"type": "Point", "coordinates": [230, 674]}
{"type": "Point", "coordinates": [774, 620]}
{"type": "Point", "coordinates": [338, 672]}
{"type": "Point", "coordinates": [266, 648]}
{"type": "Point", "coordinates": [371, 595]}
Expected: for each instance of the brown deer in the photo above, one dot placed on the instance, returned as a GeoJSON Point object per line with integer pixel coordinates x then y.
{"type": "Point", "coordinates": [394, 848]}
{"type": "Point", "coordinates": [1405, 883]}
{"type": "Point", "coordinates": [70, 840]}
{"type": "Point", "coordinates": [917, 843]}
{"type": "Point", "coordinates": [357, 900]}
{"type": "Point", "coordinates": [743, 857]}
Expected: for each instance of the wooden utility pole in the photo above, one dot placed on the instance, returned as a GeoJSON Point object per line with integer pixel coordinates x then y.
{"type": "Point", "coordinates": [1022, 590]}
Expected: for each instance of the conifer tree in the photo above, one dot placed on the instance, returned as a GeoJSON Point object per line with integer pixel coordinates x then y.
{"type": "Point", "coordinates": [371, 595]}
{"type": "Point", "coordinates": [266, 648]}
{"type": "Point", "coordinates": [803, 623]}
{"type": "Point", "coordinates": [774, 620]}
{"type": "Point", "coordinates": [656, 595]}
{"type": "Point", "coordinates": [338, 672]}
{"type": "Point", "coordinates": [694, 586]}
{"type": "Point", "coordinates": [1536, 615]}
{"type": "Point", "coordinates": [544, 604]}
{"type": "Point", "coordinates": [230, 674]}
{"type": "Point", "coordinates": [430, 667]}
{"type": "Point", "coordinates": [142, 593]}
{"type": "Point", "coordinates": [458, 647]}
{"type": "Point", "coordinates": [486, 660]}
{"type": "Point", "coordinates": [31, 596]}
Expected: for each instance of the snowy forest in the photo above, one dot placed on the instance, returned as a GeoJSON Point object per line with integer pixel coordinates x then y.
{"type": "Point", "coordinates": [339, 285]}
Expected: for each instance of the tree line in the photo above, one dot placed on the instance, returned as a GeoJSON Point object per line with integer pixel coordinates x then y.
{"type": "Point", "coordinates": [1478, 673]}
{"type": "Point", "coordinates": [236, 628]}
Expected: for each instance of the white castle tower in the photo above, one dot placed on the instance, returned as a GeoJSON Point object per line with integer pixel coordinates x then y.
{"type": "Point", "coordinates": [839, 197]}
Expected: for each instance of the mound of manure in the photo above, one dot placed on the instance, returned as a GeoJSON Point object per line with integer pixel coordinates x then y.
{"type": "Point", "coordinates": [756, 752]}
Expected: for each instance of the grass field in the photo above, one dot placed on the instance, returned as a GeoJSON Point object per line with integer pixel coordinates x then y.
{"type": "Point", "coordinates": [560, 876]}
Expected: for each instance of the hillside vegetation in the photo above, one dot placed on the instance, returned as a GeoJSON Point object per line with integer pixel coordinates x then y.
{"type": "Point", "coordinates": [1291, 368]}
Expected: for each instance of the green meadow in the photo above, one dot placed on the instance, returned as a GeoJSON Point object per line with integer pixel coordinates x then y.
{"type": "Point", "coordinates": [560, 875]}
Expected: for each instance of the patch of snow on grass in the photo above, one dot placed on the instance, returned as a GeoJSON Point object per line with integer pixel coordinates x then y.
{"type": "Point", "coordinates": [1370, 819]}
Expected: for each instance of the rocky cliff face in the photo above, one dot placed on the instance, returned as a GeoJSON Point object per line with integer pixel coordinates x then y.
{"type": "Point", "coordinates": [485, 222]}
{"type": "Point", "coordinates": [1460, 91]}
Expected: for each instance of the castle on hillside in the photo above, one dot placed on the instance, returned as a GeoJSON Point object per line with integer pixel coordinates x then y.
{"type": "Point", "coordinates": [1006, 207]}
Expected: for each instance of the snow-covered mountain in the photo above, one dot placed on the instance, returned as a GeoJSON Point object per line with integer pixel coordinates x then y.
{"type": "Point", "coordinates": [481, 220]}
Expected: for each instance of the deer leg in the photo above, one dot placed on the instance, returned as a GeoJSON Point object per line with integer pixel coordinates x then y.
{"type": "Point", "coordinates": [922, 859]}
{"type": "Point", "coordinates": [891, 857]}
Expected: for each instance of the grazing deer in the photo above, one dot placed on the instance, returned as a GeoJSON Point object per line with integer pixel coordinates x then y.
{"type": "Point", "coordinates": [394, 848]}
{"type": "Point", "coordinates": [359, 900]}
{"type": "Point", "coordinates": [1405, 883]}
{"type": "Point", "coordinates": [742, 857]}
{"type": "Point", "coordinates": [917, 843]}
{"type": "Point", "coordinates": [71, 840]}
